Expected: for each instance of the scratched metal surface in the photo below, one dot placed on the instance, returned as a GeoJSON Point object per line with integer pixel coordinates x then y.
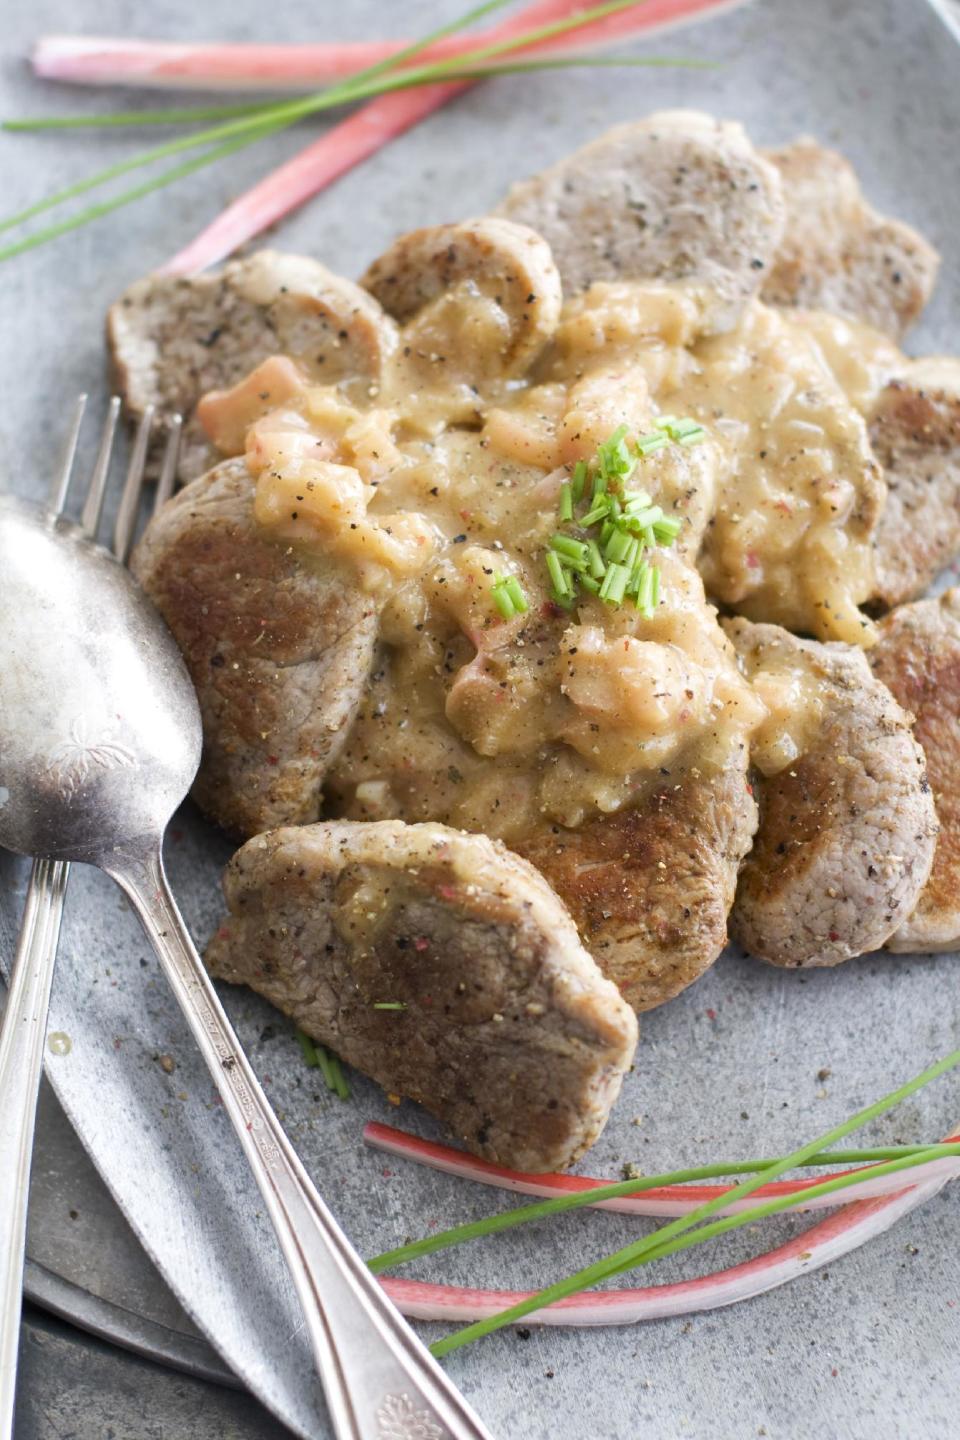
{"type": "Point", "coordinates": [866, 1349]}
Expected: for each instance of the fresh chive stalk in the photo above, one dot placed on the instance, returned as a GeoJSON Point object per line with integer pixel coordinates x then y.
{"type": "Point", "coordinates": [675, 1235]}
{"type": "Point", "coordinates": [582, 1199]}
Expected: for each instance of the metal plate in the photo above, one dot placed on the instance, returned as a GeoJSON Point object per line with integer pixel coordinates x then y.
{"type": "Point", "coordinates": [730, 1067]}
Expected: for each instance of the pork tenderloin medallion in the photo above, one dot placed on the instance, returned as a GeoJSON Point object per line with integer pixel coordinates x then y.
{"type": "Point", "coordinates": [837, 252]}
{"type": "Point", "coordinates": [172, 338]}
{"type": "Point", "coordinates": [915, 434]}
{"type": "Point", "coordinates": [847, 821]}
{"type": "Point", "coordinates": [677, 196]}
{"type": "Point", "coordinates": [650, 887]}
{"type": "Point", "coordinates": [445, 269]}
{"type": "Point", "coordinates": [501, 1025]}
{"type": "Point", "coordinates": [278, 646]}
{"type": "Point", "coordinates": [918, 658]}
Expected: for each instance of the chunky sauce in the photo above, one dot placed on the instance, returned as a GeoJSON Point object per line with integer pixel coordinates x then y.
{"type": "Point", "coordinates": [431, 484]}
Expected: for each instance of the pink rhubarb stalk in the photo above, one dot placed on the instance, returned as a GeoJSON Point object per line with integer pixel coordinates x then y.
{"type": "Point", "coordinates": [390, 115]}
{"type": "Point", "coordinates": [161, 65]}
{"type": "Point", "coordinates": [663, 1201]}
{"type": "Point", "coordinates": [852, 1225]}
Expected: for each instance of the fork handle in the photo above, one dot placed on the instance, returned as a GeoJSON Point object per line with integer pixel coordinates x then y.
{"type": "Point", "coordinates": [379, 1380]}
{"type": "Point", "coordinates": [21, 1061]}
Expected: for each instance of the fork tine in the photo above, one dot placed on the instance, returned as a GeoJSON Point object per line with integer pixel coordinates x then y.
{"type": "Point", "coordinates": [168, 471]}
{"type": "Point", "coordinates": [93, 505]}
{"type": "Point", "coordinates": [130, 499]}
{"type": "Point", "coordinates": [61, 481]}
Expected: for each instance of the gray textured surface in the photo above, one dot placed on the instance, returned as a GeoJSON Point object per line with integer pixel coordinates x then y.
{"type": "Point", "coordinates": [867, 1350]}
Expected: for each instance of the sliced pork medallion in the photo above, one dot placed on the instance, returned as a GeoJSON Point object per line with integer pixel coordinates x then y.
{"type": "Point", "coordinates": [915, 433]}
{"type": "Point", "coordinates": [847, 821]}
{"type": "Point", "coordinates": [837, 252]}
{"type": "Point", "coordinates": [443, 966]}
{"type": "Point", "coordinates": [677, 196]}
{"type": "Point", "coordinates": [483, 295]}
{"type": "Point", "coordinates": [172, 338]}
{"type": "Point", "coordinates": [918, 657]}
{"type": "Point", "coordinates": [651, 887]}
{"type": "Point", "coordinates": [279, 647]}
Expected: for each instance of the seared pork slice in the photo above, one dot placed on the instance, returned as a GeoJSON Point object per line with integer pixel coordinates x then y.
{"type": "Point", "coordinates": [501, 1025]}
{"type": "Point", "coordinates": [650, 888]}
{"type": "Point", "coordinates": [677, 196]}
{"type": "Point", "coordinates": [837, 252]}
{"type": "Point", "coordinates": [509, 264]}
{"type": "Point", "coordinates": [278, 647]}
{"type": "Point", "coordinates": [173, 338]}
{"type": "Point", "coordinates": [915, 434]}
{"type": "Point", "coordinates": [918, 657]}
{"type": "Point", "coordinates": [847, 828]}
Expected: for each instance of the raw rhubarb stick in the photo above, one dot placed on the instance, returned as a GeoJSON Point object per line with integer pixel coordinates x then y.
{"type": "Point", "coordinates": [157, 64]}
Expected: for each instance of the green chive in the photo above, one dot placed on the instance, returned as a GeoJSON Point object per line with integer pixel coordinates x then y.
{"type": "Point", "coordinates": [614, 584]}
{"type": "Point", "coordinates": [502, 599]}
{"type": "Point", "coordinates": [589, 583]}
{"type": "Point", "coordinates": [665, 422]}
{"type": "Point", "coordinates": [600, 511]}
{"type": "Point", "coordinates": [389, 1004]}
{"type": "Point", "coordinates": [655, 588]}
{"type": "Point", "coordinates": [515, 590]}
{"type": "Point", "coordinates": [579, 480]}
{"type": "Point", "coordinates": [308, 1050]}
{"type": "Point", "coordinates": [672, 1237]}
{"type": "Point", "coordinates": [646, 444]}
{"type": "Point", "coordinates": [617, 546]}
{"type": "Point", "coordinates": [566, 501]}
{"type": "Point", "coordinates": [645, 592]}
{"type": "Point", "coordinates": [558, 576]}
{"type": "Point", "coordinates": [570, 549]}
{"type": "Point", "coordinates": [668, 528]}
{"type": "Point", "coordinates": [595, 560]}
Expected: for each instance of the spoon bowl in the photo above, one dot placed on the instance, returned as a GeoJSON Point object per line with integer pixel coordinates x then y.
{"type": "Point", "coordinates": [100, 732]}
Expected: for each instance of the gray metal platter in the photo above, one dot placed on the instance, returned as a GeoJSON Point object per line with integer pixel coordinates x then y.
{"type": "Point", "coordinates": [866, 1348]}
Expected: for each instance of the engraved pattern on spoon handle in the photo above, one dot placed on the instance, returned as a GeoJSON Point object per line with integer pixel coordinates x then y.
{"type": "Point", "coordinates": [21, 1062]}
{"type": "Point", "coordinates": [380, 1381]}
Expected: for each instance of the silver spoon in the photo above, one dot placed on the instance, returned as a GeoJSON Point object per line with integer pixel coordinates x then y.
{"type": "Point", "coordinates": [99, 742]}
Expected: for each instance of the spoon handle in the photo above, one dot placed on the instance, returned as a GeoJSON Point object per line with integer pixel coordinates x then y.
{"type": "Point", "coordinates": [381, 1383]}
{"type": "Point", "coordinates": [21, 1061]}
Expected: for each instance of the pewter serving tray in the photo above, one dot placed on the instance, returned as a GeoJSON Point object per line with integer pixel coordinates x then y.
{"type": "Point", "coordinates": [730, 1068]}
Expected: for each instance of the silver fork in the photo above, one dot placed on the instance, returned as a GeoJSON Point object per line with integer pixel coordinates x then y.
{"type": "Point", "coordinates": [25, 1019]}
{"type": "Point", "coordinates": [380, 1380]}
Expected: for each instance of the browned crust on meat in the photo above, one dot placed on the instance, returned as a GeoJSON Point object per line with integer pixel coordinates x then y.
{"type": "Point", "coordinates": [172, 338]}
{"type": "Point", "coordinates": [509, 1033]}
{"type": "Point", "coordinates": [676, 196]}
{"type": "Point", "coordinates": [278, 648]}
{"type": "Point", "coordinates": [915, 433]}
{"type": "Point", "coordinates": [650, 888]}
{"type": "Point", "coordinates": [838, 253]}
{"type": "Point", "coordinates": [511, 262]}
{"type": "Point", "coordinates": [847, 831]}
{"type": "Point", "coordinates": [918, 657]}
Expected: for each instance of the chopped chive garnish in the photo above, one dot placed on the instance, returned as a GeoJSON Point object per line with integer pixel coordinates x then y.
{"type": "Point", "coordinates": [515, 590]}
{"type": "Point", "coordinates": [308, 1050]}
{"type": "Point", "coordinates": [617, 546]}
{"type": "Point", "coordinates": [645, 592]}
{"type": "Point", "coordinates": [389, 1004]}
{"type": "Point", "coordinates": [558, 577]}
{"type": "Point", "coordinates": [579, 480]}
{"type": "Point", "coordinates": [614, 585]}
{"type": "Point", "coordinates": [570, 549]}
{"type": "Point", "coordinates": [668, 528]}
{"type": "Point", "coordinates": [318, 1058]}
{"type": "Point", "coordinates": [566, 501]}
{"type": "Point", "coordinates": [600, 511]}
{"type": "Point", "coordinates": [502, 600]}
{"type": "Point", "coordinates": [595, 560]}
{"type": "Point", "coordinates": [610, 564]}
{"type": "Point", "coordinates": [508, 596]}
